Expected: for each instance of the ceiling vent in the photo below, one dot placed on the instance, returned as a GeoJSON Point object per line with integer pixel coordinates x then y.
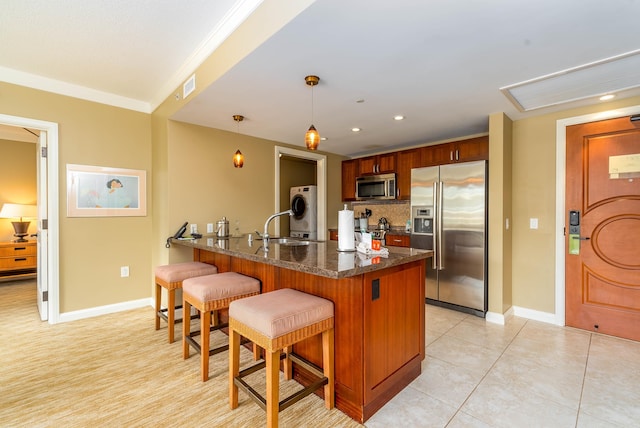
{"type": "Point", "coordinates": [610, 75]}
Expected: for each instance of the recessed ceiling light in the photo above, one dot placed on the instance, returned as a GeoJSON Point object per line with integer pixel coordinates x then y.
{"type": "Point", "coordinates": [355, 129]}
{"type": "Point", "coordinates": [323, 138]}
{"type": "Point", "coordinates": [398, 117]}
{"type": "Point", "coordinates": [607, 97]}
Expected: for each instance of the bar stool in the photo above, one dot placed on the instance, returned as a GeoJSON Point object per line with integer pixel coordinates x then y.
{"type": "Point", "coordinates": [208, 294]}
{"type": "Point", "coordinates": [170, 277]}
{"type": "Point", "coordinates": [275, 321]}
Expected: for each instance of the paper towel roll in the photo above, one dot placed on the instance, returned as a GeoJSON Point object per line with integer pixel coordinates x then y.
{"type": "Point", "coordinates": [346, 241]}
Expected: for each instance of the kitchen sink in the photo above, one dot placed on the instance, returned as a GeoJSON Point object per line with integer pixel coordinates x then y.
{"type": "Point", "coordinates": [288, 241]}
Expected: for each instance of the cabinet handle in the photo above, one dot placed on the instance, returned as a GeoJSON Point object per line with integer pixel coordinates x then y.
{"type": "Point", "coordinates": [20, 248]}
{"type": "Point", "coordinates": [457, 155]}
{"type": "Point", "coordinates": [451, 155]}
{"type": "Point", "coordinates": [22, 259]}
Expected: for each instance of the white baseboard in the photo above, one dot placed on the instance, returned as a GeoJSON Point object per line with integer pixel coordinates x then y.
{"type": "Point", "coordinates": [517, 311]}
{"type": "Point", "coordinates": [496, 318]}
{"type": "Point", "coordinates": [532, 314]}
{"type": "Point", "coordinates": [103, 310]}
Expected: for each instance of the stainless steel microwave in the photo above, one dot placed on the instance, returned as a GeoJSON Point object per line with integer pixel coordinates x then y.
{"type": "Point", "coordinates": [381, 186]}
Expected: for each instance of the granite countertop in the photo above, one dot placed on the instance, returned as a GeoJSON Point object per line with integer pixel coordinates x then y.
{"type": "Point", "coordinates": [393, 231]}
{"type": "Point", "coordinates": [317, 258]}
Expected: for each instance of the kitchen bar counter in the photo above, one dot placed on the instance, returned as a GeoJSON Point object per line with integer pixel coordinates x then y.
{"type": "Point", "coordinates": [378, 305]}
{"type": "Point", "coordinates": [318, 258]}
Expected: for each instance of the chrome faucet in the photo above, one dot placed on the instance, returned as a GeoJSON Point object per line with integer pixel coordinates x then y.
{"type": "Point", "coordinates": [265, 235]}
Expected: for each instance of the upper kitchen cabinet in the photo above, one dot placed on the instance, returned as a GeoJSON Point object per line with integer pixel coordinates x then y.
{"type": "Point", "coordinates": [458, 151]}
{"type": "Point", "coordinates": [405, 160]}
{"type": "Point", "coordinates": [349, 174]}
{"type": "Point", "coordinates": [379, 164]}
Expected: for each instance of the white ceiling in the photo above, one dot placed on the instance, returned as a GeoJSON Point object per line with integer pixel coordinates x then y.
{"type": "Point", "coordinates": [440, 63]}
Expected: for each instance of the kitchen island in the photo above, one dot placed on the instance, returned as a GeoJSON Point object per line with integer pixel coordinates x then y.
{"type": "Point", "coordinates": [378, 303]}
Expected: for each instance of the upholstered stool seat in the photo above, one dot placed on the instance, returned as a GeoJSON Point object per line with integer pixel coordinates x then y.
{"type": "Point", "coordinates": [208, 294]}
{"type": "Point", "coordinates": [170, 277]}
{"type": "Point", "coordinates": [276, 321]}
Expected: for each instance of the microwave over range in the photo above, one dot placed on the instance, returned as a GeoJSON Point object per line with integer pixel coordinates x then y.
{"type": "Point", "coordinates": [382, 186]}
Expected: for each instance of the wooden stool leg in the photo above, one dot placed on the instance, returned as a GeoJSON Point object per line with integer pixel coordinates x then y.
{"type": "Point", "coordinates": [205, 323]}
{"type": "Point", "coordinates": [287, 364]}
{"type": "Point", "coordinates": [256, 352]}
{"type": "Point", "coordinates": [328, 367]}
{"type": "Point", "coordinates": [186, 329]}
{"type": "Point", "coordinates": [234, 367]}
{"type": "Point", "coordinates": [171, 314]}
{"type": "Point", "coordinates": [158, 300]}
{"type": "Point", "coordinates": [273, 369]}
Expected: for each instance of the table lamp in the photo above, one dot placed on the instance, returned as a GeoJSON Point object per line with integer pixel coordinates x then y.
{"type": "Point", "coordinates": [19, 211]}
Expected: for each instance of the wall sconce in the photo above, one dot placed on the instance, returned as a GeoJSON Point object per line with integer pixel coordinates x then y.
{"type": "Point", "coordinates": [238, 157]}
{"type": "Point", "coordinates": [312, 137]}
{"type": "Point", "coordinates": [19, 211]}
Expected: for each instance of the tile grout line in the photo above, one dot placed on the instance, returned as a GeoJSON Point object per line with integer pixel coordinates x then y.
{"type": "Point", "coordinates": [484, 376]}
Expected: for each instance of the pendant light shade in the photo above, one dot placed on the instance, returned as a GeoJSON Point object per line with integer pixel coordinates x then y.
{"type": "Point", "coordinates": [312, 137]}
{"type": "Point", "coordinates": [238, 157]}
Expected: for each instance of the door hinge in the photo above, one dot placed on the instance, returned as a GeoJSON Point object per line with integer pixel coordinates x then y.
{"type": "Point", "coordinates": [45, 296]}
{"type": "Point", "coordinates": [43, 151]}
{"type": "Point", "coordinates": [45, 224]}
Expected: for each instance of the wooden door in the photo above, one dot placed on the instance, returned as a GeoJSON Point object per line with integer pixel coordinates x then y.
{"type": "Point", "coordinates": [405, 161]}
{"type": "Point", "coordinates": [603, 184]}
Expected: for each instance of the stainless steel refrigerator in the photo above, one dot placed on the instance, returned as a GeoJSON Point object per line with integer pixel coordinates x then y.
{"type": "Point", "coordinates": [449, 216]}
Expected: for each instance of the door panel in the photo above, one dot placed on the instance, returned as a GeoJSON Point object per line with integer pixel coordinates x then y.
{"type": "Point", "coordinates": [603, 280]}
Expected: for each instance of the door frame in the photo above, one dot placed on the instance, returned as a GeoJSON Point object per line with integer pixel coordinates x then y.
{"type": "Point", "coordinates": [51, 128]}
{"type": "Point", "coordinates": [321, 182]}
{"type": "Point", "coordinates": [561, 147]}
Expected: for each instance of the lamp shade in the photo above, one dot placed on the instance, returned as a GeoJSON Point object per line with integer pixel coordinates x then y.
{"type": "Point", "coordinates": [18, 211]}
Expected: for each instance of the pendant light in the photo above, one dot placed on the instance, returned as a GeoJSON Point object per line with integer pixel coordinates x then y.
{"type": "Point", "coordinates": [312, 137]}
{"type": "Point", "coordinates": [238, 157]}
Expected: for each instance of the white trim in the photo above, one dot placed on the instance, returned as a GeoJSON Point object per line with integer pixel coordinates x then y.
{"type": "Point", "coordinates": [107, 309]}
{"type": "Point", "coordinates": [53, 278]}
{"type": "Point", "coordinates": [561, 146]}
{"type": "Point", "coordinates": [321, 182]}
{"type": "Point", "coordinates": [496, 318]}
{"type": "Point", "coordinates": [534, 315]}
{"type": "Point", "coordinates": [76, 91]}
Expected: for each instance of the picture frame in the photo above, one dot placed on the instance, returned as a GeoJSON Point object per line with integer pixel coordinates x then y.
{"type": "Point", "coordinates": [98, 191]}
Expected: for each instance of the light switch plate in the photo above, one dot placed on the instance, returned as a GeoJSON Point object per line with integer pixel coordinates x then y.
{"type": "Point", "coordinates": [533, 223]}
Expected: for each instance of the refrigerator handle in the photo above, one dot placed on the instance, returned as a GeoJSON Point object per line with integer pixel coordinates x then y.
{"type": "Point", "coordinates": [440, 227]}
{"type": "Point", "coordinates": [435, 226]}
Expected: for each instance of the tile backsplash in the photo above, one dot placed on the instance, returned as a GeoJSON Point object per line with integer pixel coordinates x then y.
{"type": "Point", "coordinates": [396, 212]}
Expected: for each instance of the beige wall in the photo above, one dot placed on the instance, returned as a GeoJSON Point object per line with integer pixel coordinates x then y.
{"type": "Point", "coordinates": [17, 181]}
{"type": "Point", "coordinates": [534, 185]}
{"type": "Point", "coordinates": [93, 249]}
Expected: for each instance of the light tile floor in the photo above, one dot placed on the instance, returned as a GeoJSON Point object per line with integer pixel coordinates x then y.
{"type": "Point", "coordinates": [522, 374]}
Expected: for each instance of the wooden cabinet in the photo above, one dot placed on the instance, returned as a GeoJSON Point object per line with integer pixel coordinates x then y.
{"type": "Point", "coordinates": [18, 259]}
{"type": "Point", "coordinates": [349, 174]}
{"type": "Point", "coordinates": [405, 160]}
{"type": "Point", "coordinates": [397, 240]}
{"type": "Point", "coordinates": [333, 235]}
{"type": "Point", "coordinates": [458, 151]}
{"type": "Point", "coordinates": [379, 164]}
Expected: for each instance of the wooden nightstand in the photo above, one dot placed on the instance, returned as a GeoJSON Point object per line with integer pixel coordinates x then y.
{"type": "Point", "coordinates": [18, 259]}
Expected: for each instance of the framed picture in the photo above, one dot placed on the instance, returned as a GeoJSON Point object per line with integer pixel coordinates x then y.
{"type": "Point", "coordinates": [98, 191]}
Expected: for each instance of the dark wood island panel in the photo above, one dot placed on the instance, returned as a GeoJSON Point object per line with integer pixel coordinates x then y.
{"type": "Point", "coordinates": [379, 325]}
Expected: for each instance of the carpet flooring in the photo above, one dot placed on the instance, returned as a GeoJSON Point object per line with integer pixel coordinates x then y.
{"type": "Point", "coordinates": [117, 371]}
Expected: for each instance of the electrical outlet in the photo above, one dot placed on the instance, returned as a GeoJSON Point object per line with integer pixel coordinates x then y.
{"type": "Point", "coordinates": [533, 223]}
{"type": "Point", "coordinates": [209, 227]}
{"type": "Point", "coordinates": [124, 271]}
{"type": "Point", "coordinates": [194, 228]}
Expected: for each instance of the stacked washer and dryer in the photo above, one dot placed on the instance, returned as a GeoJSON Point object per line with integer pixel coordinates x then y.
{"type": "Point", "coordinates": [304, 204]}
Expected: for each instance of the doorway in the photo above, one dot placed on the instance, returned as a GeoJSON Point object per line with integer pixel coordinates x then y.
{"type": "Point", "coordinates": [47, 201]}
{"type": "Point", "coordinates": [321, 182]}
{"type": "Point", "coordinates": [561, 209]}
